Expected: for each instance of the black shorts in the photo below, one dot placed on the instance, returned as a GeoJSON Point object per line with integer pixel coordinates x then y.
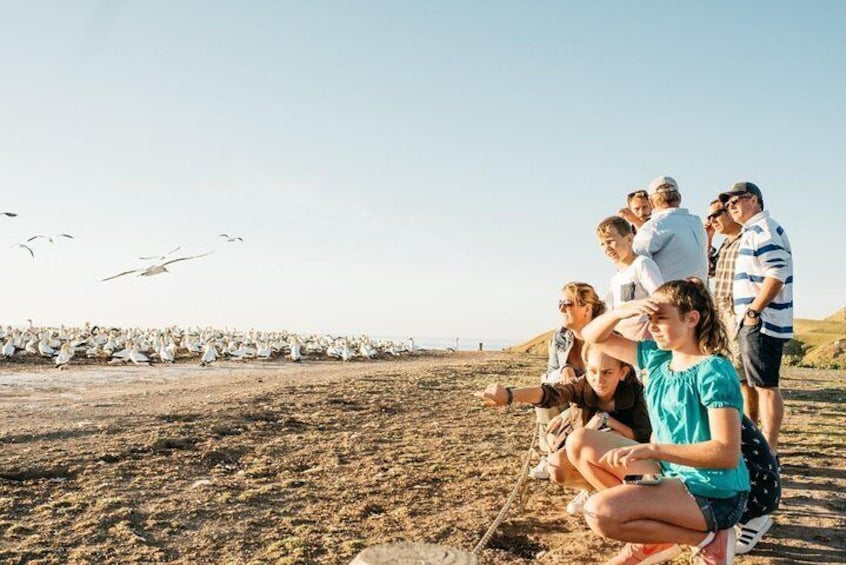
{"type": "Point", "coordinates": [761, 356]}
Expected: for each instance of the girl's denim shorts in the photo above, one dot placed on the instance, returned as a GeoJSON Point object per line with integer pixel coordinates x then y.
{"type": "Point", "coordinates": [721, 513]}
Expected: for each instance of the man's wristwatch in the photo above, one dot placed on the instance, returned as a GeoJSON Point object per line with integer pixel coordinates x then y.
{"type": "Point", "coordinates": [754, 314]}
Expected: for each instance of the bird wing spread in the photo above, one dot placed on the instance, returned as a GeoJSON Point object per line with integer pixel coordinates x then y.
{"type": "Point", "coordinates": [121, 274]}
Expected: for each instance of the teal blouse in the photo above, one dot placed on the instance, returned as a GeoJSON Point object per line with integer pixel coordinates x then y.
{"type": "Point", "coordinates": [678, 404]}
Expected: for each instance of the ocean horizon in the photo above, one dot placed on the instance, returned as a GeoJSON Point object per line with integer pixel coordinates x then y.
{"type": "Point", "coordinates": [464, 343]}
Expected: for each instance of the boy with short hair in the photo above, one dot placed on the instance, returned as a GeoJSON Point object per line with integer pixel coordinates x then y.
{"type": "Point", "coordinates": [637, 276]}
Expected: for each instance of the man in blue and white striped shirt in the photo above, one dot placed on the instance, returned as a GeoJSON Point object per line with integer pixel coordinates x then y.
{"type": "Point", "coordinates": [763, 301]}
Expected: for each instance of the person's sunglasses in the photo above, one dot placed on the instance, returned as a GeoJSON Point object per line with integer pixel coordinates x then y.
{"type": "Point", "coordinates": [566, 303]}
{"type": "Point", "coordinates": [638, 194]}
{"type": "Point", "coordinates": [733, 201]}
{"type": "Point", "coordinates": [715, 215]}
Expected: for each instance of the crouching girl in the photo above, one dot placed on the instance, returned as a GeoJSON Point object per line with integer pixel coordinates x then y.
{"type": "Point", "coordinates": [695, 406]}
{"type": "Point", "coordinates": [609, 398]}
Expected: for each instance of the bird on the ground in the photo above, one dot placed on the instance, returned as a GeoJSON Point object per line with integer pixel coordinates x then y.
{"type": "Point", "coordinates": [9, 348]}
{"type": "Point", "coordinates": [230, 238]}
{"type": "Point", "coordinates": [155, 269]}
{"type": "Point", "coordinates": [137, 357]}
{"type": "Point", "coordinates": [296, 356]}
{"type": "Point", "coordinates": [346, 352]}
{"type": "Point", "coordinates": [209, 355]}
{"type": "Point", "coordinates": [161, 257]}
{"type": "Point", "coordinates": [49, 238]}
{"type": "Point", "coordinates": [25, 246]}
{"type": "Point", "coordinates": [44, 348]}
{"type": "Point", "coordinates": [64, 356]}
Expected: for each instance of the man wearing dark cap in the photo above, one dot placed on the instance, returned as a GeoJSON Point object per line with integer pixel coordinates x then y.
{"type": "Point", "coordinates": [763, 301]}
{"type": "Point", "coordinates": [673, 237]}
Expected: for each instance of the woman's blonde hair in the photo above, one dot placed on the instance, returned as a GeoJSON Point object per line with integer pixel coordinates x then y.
{"type": "Point", "coordinates": [585, 294]}
{"type": "Point", "coordinates": [692, 295]}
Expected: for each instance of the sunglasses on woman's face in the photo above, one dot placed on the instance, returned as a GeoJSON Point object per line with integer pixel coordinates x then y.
{"type": "Point", "coordinates": [715, 215]}
{"type": "Point", "coordinates": [566, 303]}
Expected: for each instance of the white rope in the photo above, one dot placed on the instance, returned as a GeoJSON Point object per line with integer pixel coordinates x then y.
{"type": "Point", "coordinates": [524, 474]}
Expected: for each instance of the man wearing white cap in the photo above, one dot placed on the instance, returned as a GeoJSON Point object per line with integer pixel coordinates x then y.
{"type": "Point", "coordinates": [673, 237]}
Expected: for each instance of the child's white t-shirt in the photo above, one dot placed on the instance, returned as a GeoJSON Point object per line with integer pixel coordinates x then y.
{"type": "Point", "coordinates": [636, 281]}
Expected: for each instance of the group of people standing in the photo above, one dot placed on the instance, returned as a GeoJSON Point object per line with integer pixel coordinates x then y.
{"type": "Point", "coordinates": [652, 399]}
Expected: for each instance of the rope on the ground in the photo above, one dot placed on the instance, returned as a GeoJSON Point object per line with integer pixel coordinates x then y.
{"type": "Point", "coordinates": [517, 491]}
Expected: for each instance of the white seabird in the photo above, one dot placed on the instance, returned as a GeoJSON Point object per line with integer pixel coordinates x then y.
{"type": "Point", "coordinates": [209, 355]}
{"type": "Point", "coordinates": [25, 246]}
{"type": "Point", "coordinates": [161, 257]}
{"type": "Point", "coordinates": [155, 269]}
{"type": "Point", "coordinates": [49, 238]}
{"type": "Point", "coordinates": [230, 238]}
{"type": "Point", "coordinates": [64, 356]}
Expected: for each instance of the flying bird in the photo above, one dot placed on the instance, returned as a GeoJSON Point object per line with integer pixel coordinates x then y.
{"type": "Point", "coordinates": [162, 257]}
{"type": "Point", "coordinates": [25, 246]}
{"type": "Point", "coordinates": [10, 214]}
{"type": "Point", "coordinates": [49, 238]}
{"type": "Point", "coordinates": [230, 238]}
{"type": "Point", "coordinates": [155, 269]}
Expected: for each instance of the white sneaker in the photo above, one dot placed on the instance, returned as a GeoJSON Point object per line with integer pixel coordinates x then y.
{"type": "Point", "coordinates": [540, 472]}
{"type": "Point", "coordinates": [750, 533]}
{"type": "Point", "coordinates": [576, 507]}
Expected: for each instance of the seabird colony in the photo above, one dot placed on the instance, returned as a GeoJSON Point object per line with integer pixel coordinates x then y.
{"type": "Point", "coordinates": [204, 345]}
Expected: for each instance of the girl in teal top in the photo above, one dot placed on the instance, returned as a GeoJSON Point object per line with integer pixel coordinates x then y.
{"type": "Point", "coordinates": [695, 406]}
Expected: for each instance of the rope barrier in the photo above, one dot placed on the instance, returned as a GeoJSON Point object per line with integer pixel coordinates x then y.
{"type": "Point", "coordinates": [518, 490]}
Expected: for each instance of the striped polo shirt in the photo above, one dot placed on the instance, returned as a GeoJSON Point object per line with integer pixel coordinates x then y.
{"type": "Point", "coordinates": [765, 252]}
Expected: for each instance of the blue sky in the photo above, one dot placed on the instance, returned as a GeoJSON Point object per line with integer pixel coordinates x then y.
{"type": "Point", "coordinates": [396, 168]}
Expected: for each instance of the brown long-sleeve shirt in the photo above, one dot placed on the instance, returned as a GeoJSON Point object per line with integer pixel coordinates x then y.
{"type": "Point", "coordinates": [629, 403]}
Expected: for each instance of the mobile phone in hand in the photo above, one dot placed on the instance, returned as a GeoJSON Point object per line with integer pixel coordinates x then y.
{"type": "Point", "coordinates": [643, 479]}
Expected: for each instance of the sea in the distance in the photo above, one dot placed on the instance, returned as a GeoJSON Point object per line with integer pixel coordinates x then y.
{"type": "Point", "coordinates": [464, 343]}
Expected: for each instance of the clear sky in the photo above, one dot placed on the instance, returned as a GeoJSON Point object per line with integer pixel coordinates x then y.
{"type": "Point", "coordinates": [396, 168]}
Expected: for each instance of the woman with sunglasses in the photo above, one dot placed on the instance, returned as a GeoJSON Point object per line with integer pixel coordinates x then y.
{"type": "Point", "coordinates": [579, 304]}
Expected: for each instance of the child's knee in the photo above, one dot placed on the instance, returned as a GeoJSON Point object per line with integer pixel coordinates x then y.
{"type": "Point", "coordinates": [574, 443]}
{"type": "Point", "coordinates": [599, 516]}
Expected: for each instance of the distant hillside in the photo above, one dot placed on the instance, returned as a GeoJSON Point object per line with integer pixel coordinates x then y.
{"type": "Point", "coordinates": [814, 333]}
{"type": "Point", "coordinates": [839, 316]}
{"type": "Point", "coordinates": [537, 345]}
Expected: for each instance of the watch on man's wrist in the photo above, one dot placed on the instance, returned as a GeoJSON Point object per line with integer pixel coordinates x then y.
{"type": "Point", "coordinates": [752, 313]}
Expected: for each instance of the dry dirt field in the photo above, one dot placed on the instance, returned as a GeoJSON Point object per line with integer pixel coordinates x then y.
{"type": "Point", "coordinates": [282, 463]}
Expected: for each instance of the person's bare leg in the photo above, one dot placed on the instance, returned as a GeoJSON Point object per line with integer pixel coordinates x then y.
{"type": "Point", "coordinates": [563, 472]}
{"type": "Point", "coordinates": [663, 513]}
{"type": "Point", "coordinates": [771, 408]}
{"type": "Point", "coordinates": [750, 402]}
{"type": "Point", "coordinates": [586, 447]}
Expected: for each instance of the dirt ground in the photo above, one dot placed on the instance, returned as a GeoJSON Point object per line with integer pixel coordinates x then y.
{"type": "Point", "coordinates": [310, 463]}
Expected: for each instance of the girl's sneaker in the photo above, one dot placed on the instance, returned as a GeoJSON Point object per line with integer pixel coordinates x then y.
{"type": "Point", "coordinates": [719, 552]}
{"type": "Point", "coordinates": [540, 472]}
{"type": "Point", "coordinates": [750, 533]}
{"type": "Point", "coordinates": [645, 554]}
{"type": "Point", "coordinates": [576, 507]}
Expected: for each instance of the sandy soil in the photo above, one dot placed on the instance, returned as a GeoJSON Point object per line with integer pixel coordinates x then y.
{"type": "Point", "coordinates": [282, 463]}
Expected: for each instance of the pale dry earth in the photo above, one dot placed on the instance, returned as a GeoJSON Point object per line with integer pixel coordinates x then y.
{"type": "Point", "coordinates": [309, 463]}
